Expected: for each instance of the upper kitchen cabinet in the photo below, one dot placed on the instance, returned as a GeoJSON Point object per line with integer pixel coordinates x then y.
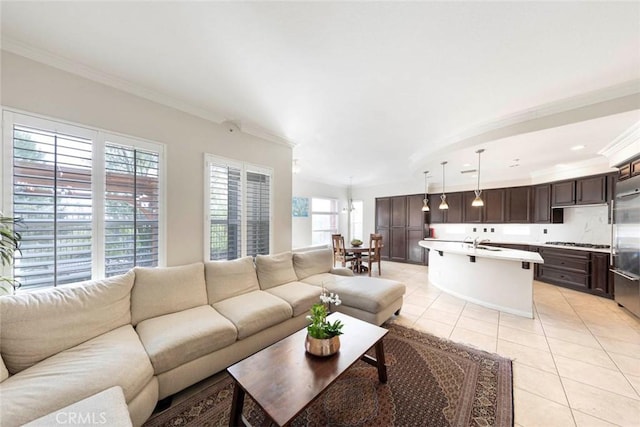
{"type": "Point", "coordinates": [494, 205]}
{"type": "Point", "coordinates": [542, 212]}
{"type": "Point", "coordinates": [454, 213]}
{"type": "Point", "coordinates": [436, 215]}
{"type": "Point", "coordinates": [471, 213]}
{"type": "Point", "coordinates": [518, 205]}
{"type": "Point", "coordinates": [583, 191]}
{"type": "Point", "coordinates": [629, 169]}
{"type": "Point", "coordinates": [563, 193]}
{"type": "Point", "coordinates": [591, 190]}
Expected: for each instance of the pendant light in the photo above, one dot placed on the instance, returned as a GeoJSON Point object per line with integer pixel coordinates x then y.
{"type": "Point", "coordinates": [425, 205]}
{"type": "Point", "coordinates": [477, 202]}
{"type": "Point", "coordinates": [443, 204]}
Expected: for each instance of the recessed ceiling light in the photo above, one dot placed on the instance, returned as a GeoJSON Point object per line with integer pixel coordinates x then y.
{"type": "Point", "coordinates": [466, 165]}
{"type": "Point", "coordinates": [577, 147]}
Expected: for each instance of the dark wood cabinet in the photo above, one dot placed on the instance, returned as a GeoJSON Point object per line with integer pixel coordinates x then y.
{"type": "Point", "coordinates": [398, 211]}
{"type": "Point", "coordinates": [591, 190]}
{"type": "Point", "coordinates": [542, 203]}
{"type": "Point", "coordinates": [397, 236]}
{"type": "Point", "coordinates": [436, 216]}
{"type": "Point", "coordinates": [569, 268]}
{"type": "Point", "coordinates": [383, 224]}
{"type": "Point", "coordinates": [471, 213]}
{"type": "Point", "coordinates": [415, 253]}
{"type": "Point", "coordinates": [415, 230]}
{"type": "Point", "coordinates": [600, 273]}
{"type": "Point", "coordinates": [454, 213]}
{"type": "Point", "coordinates": [518, 205]}
{"type": "Point", "coordinates": [494, 205]}
{"type": "Point", "coordinates": [576, 269]}
{"type": "Point", "coordinates": [628, 169]}
{"type": "Point", "coordinates": [401, 222]}
{"type": "Point", "coordinates": [635, 167]}
{"type": "Point", "coordinates": [398, 243]}
{"type": "Point", "coordinates": [624, 172]}
{"type": "Point", "coordinates": [542, 211]}
{"type": "Point", "coordinates": [563, 193]}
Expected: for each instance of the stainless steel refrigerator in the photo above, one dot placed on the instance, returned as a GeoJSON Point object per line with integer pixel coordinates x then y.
{"type": "Point", "coordinates": [626, 244]}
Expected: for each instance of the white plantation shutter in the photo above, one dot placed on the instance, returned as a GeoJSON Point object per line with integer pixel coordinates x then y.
{"type": "Point", "coordinates": [88, 208]}
{"type": "Point", "coordinates": [52, 195]}
{"type": "Point", "coordinates": [131, 209]}
{"type": "Point", "coordinates": [238, 209]}
{"type": "Point", "coordinates": [258, 212]}
{"type": "Point", "coordinates": [225, 210]}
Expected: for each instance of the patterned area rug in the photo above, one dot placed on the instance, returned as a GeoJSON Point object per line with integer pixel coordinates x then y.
{"type": "Point", "coordinates": [432, 382]}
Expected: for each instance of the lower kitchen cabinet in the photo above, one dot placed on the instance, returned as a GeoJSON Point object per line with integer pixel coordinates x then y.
{"type": "Point", "coordinates": [579, 270]}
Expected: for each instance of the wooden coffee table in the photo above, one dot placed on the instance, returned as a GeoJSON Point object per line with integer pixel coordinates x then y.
{"type": "Point", "coordinates": [283, 379]}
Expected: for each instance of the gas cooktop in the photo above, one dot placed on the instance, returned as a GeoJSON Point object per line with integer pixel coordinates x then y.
{"type": "Point", "coordinates": [579, 245]}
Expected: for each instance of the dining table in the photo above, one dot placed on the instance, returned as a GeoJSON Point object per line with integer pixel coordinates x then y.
{"type": "Point", "coordinates": [357, 251]}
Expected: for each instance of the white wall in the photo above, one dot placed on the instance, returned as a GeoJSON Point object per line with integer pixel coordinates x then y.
{"type": "Point", "coordinates": [301, 227]}
{"type": "Point", "coordinates": [585, 224]}
{"type": "Point", "coordinates": [34, 87]}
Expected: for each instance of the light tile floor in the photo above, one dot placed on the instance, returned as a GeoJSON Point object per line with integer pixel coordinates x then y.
{"type": "Point", "coordinates": [577, 363]}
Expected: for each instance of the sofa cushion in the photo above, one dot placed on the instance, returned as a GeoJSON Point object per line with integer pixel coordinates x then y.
{"type": "Point", "coordinates": [312, 262]}
{"type": "Point", "coordinates": [368, 293]}
{"type": "Point", "coordinates": [177, 338]}
{"type": "Point", "coordinates": [114, 358]}
{"type": "Point", "coordinates": [327, 280]}
{"type": "Point", "coordinates": [254, 311]}
{"type": "Point", "coordinates": [4, 374]}
{"type": "Point", "coordinates": [300, 296]}
{"type": "Point", "coordinates": [226, 279]}
{"type": "Point", "coordinates": [36, 325]}
{"type": "Point", "coordinates": [158, 291]}
{"type": "Point", "coordinates": [274, 270]}
{"type": "Point", "coordinates": [106, 408]}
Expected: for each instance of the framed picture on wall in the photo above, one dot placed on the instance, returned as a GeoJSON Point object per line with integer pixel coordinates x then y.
{"type": "Point", "coordinates": [300, 207]}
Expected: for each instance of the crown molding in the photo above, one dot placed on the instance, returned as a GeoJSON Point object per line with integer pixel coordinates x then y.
{"type": "Point", "coordinates": [65, 64]}
{"type": "Point", "coordinates": [624, 147]}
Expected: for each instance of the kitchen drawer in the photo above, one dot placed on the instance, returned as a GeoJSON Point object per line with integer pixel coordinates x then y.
{"type": "Point", "coordinates": [568, 264]}
{"type": "Point", "coordinates": [563, 253]}
{"type": "Point", "coordinates": [562, 277]}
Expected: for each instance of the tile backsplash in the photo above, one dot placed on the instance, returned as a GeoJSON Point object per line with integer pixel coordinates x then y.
{"type": "Point", "coordinates": [586, 224]}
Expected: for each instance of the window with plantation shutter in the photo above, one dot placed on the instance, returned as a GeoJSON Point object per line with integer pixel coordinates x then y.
{"type": "Point", "coordinates": [52, 194]}
{"type": "Point", "coordinates": [258, 213]}
{"type": "Point", "coordinates": [89, 201]}
{"type": "Point", "coordinates": [238, 200]}
{"type": "Point", "coordinates": [131, 209]}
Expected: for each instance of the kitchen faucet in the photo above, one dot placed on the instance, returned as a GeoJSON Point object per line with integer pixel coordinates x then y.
{"type": "Point", "coordinates": [477, 241]}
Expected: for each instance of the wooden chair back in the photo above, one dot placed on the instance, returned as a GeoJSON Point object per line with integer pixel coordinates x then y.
{"type": "Point", "coordinates": [375, 246]}
{"type": "Point", "coordinates": [339, 251]}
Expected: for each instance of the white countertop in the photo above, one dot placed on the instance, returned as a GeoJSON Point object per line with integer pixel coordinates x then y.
{"type": "Point", "coordinates": [498, 242]}
{"type": "Point", "coordinates": [493, 253]}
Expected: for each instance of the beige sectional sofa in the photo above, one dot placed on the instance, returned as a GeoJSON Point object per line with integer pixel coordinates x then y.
{"type": "Point", "coordinates": [154, 331]}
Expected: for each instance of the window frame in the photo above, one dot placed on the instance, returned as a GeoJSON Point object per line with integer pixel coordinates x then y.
{"type": "Point", "coordinates": [335, 213]}
{"type": "Point", "coordinates": [99, 138]}
{"type": "Point", "coordinates": [244, 167]}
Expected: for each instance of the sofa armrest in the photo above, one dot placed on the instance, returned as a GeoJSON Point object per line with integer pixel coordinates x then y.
{"type": "Point", "coordinates": [341, 271]}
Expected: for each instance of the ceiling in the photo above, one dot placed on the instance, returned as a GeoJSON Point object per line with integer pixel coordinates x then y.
{"type": "Point", "coordinates": [371, 92]}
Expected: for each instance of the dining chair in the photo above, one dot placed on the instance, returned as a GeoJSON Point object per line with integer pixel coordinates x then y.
{"type": "Point", "coordinates": [373, 255]}
{"type": "Point", "coordinates": [340, 251]}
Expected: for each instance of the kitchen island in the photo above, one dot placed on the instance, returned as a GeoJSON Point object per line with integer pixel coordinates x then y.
{"type": "Point", "coordinates": [493, 277]}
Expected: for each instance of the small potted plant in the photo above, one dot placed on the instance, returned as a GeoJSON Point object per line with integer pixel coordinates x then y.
{"type": "Point", "coordinates": [9, 245]}
{"type": "Point", "coordinates": [323, 337]}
